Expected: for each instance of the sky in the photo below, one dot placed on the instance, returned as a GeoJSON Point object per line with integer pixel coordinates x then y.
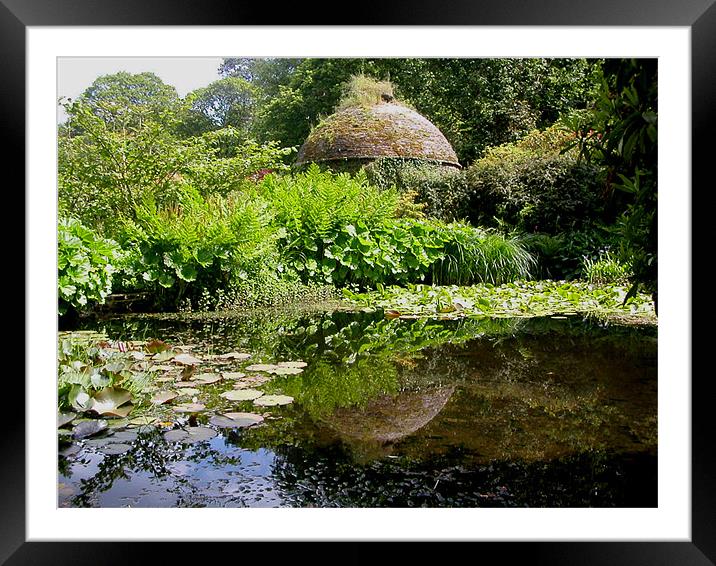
{"type": "Point", "coordinates": [75, 74]}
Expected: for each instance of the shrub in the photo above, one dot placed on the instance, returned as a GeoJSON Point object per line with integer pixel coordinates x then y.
{"type": "Point", "coordinates": [561, 256]}
{"type": "Point", "coordinates": [198, 245]}
{"type": "Point", "coordinates": [473, 255]}
{"type": "Point", "coordinates": [85, 264]}
{"type": "Point", "coordinates": [605, 270]}
{"type": "Point", "coordinates": [533, 187]}
{"type": "Point", "coordinates": [441, 190]}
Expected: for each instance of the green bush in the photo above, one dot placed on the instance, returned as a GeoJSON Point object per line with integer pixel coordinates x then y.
{"type": "Point", "coordinates": [606, 269]}
{"type": "Point", "coordinates": [532, 186]}
{"type": "Point", "coordinates": [85, 264]}
{"type": "Point", "coordinates": [441, 190]}
{"type": "Point", "coordinates": [197, 245]}
{"type": "Point", "coordinates": [561, 256]}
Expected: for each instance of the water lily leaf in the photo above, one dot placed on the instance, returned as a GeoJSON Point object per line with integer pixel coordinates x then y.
{"type": "Point", "coordinates": [108, 400]}
{"type": "Point", "coordinates": [189, 407]}
{"type": "Point", "coordinates": [164, 356]}
{"type": "Point", "coordinates": [189, 391]}
{"type": "Point", "coordinates": [234, 356]}
{"type": "Point", "coordinates": [88, 428]}
{"type": "Point", "coordinates": [143, 420]}
{"type": "Point", "coordinates": [79, 398]}
{"type": "Point", "coordinates": [207, 378]}
{"type": "Point", "coordinates": [118, 423]}
{"type": "Point", "coordinates": [164, 397]}
{"type": "Point", "coordinates": [185, 384]}
{"type": "Point", "coordinates": [124, 436]}
{"type": "Point", "coordinates": [261, 367]}
{"type": "Point", "coordinates": [285, 371]}
{"type": "Point", "coordinates": [190, 434]}
{"type": "Point", "coordinates": [65, 418]}
{"type": "Point", "coordinates": [232, 375]}
{"type": "Point", "coordinates": [295, 364]}
{"type": "Point", "coordinates": [252, 418]}
{"type": "Point", "coordinates": [157, 346]}
{"type": "Point", "coordinates": [240, 420]}
{"type": "Point", "coordinates": [187, 359]}
{"type": "Point", "coordinates": [251, 381]}
{"type": "Point", "coordinates": [241, 394]}
{"type": "Point", "coordinates": [271, 400]}
{"type": "Point", "coordinates": [115, 449]}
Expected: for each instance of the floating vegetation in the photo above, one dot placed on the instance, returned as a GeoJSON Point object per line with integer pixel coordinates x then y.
{"type": "Point", "coordinates": [518, 299]}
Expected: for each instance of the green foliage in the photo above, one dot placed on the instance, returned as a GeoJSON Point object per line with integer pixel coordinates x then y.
{"type": "Point", "coordinates": [126, 100]}
{"type": "Point", "coordinates": [475, 102]}
{"type": "Point", "coordinates": [361, 90]}
{"type": "Point", "coordinates": [620, 132]}
{"type": "Point", "coordinates": [605, 269]}
{"type": "Point", "coordinates": [199, 244]}
{"type": "Point", "coordinates": [561, 256]}
{"type": "Point", "coordinates": [441, 190]}
{"type": "Point", "coordinates": [85, 264]}
{"type": "Point", "coordinates": [533, 187]}
{"type": "Point", "coordinates": [228, 102]}
{"type": "Point", "coordinates": [226, 162]}
{"type": "Point", "coordinates": [515, 299]}
{"type": "Point", "coordinates": [105, 170]}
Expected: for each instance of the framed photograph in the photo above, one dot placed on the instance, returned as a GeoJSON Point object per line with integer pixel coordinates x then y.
{"type": "Point", "coordinates": [652, 502]}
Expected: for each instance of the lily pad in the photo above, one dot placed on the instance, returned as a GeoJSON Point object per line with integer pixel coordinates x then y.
{"type": "Point", "coordinates": [189, 391]}
{"type": "Point", "coordinates": [190, 434]}
{"type": "Point", "coordinates": [251, 381]}
{"type": "Point", "coordinates": [108, 402]}
{"type": "Point", "coordinates": [143, 420]}
{"type": "Point", "coordinates": [272, 400]}
{"type": "Point", "coordinates": [116, 448]}
{"type": "Point", "coordinates": [296, 364]}
{"type": "Point", "coordinates": [124, 436]}
{"type": "Point", "coordinates": [186, 359]}
{"type": "Point", "coordinates": [225, 421]}
{"type": "Point", "coordinates": [285, 371]}
{"type": "Point", "coordinates": [88, 428]}
{"type": "Point", "coordinates": [241, 394]}
{"type": "Point", "coordinates": [164, 356]}
{"type": "Point", "coordinates": [261, 367]}
{"type": "Point", "coordinates": [164, 397]}
{"type": "Point", "coordinates": [187, 384]}
{"type": "Point", "coordinates": [65, 418]}
{"type": "Point", "coordinates": [234, 356]}
{"type": "Point", "coordinates": [189, 407]}
{"type": "Point", "coordinates": [207, 378]}
{"type": "Point", "coordinates": [232, 374]}
{"type": "Point", "coordinates": [247, 417]}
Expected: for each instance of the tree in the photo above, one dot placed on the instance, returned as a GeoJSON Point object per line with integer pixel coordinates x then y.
{"type": "Point", "coordinates": [122, 99]}
{"type": "Point", "coordinates": [620, 131]}
{"type": "Point", "coordinates": [476, 103]}
{"type": "Point", "coordinates": [228, 102]}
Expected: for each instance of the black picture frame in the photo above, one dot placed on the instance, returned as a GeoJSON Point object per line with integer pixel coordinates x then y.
{"type": "Point", "coordinates": [698, 15]}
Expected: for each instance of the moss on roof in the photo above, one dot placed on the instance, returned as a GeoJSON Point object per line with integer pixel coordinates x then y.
{"type": "Point", "coordinates": [386, 129]}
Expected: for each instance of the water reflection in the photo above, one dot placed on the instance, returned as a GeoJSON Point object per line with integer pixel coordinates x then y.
{"type": "Point", "coordinates": [405, 413]}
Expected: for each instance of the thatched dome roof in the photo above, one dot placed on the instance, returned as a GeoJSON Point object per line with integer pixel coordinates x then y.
{"type": "Point", "coordinates": [365, 133]}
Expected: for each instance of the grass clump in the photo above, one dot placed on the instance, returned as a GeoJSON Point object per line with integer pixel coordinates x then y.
{"type": "Point", "coordinates": [362, 90]}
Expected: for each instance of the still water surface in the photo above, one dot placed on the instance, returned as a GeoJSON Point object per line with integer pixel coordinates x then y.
{"type": "Point", "coordinates": [553, 412]}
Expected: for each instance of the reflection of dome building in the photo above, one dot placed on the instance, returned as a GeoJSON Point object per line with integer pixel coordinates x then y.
{"type": "Point", "coordinates": [386, 418]}
{"type": "Point", "coordinates": [357, 135]}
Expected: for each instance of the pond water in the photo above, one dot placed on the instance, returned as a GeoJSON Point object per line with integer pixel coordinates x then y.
{"type": "Point", "coordinates": [546, 412]}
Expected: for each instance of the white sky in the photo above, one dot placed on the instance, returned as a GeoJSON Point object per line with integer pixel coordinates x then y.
{"type": "Point", "coordinates": [75, 74]}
